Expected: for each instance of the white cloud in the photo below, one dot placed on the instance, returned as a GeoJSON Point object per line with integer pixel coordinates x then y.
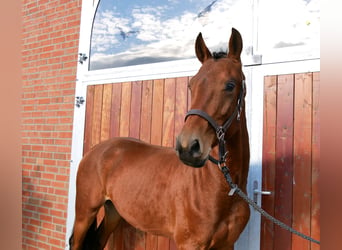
{"type": "Point", "coordinates": [106, 29]}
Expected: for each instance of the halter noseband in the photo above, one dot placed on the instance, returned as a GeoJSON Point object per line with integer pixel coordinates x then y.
{"type": "Point", "coordinates": [221, 130]}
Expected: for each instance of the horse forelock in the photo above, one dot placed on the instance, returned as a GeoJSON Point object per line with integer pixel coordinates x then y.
{"type": "Point", "coordinates": [220, 54]}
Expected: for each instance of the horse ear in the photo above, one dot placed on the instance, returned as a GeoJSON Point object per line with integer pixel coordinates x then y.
{"type": "Point", "coordinates": [235, 45]}
{"type": "Point", "coordinates": [202, 52]}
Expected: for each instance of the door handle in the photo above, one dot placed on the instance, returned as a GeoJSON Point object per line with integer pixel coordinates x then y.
{"type": "Point", "coordinates": [262, 192]}
{"type": "Point", "coordinates": [257, 191]}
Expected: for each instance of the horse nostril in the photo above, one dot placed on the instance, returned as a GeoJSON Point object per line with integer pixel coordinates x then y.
{"type": "Point", "coordinates": [195, 148]}
{"type": "Point", "coordinates": [179, 148]}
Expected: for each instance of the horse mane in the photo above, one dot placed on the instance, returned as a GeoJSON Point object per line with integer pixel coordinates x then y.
{"type": "Point", "coordinates": [219, 55]}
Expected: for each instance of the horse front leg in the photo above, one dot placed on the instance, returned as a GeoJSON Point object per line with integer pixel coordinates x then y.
{"type": "Point", "coordinates": [237, 221]}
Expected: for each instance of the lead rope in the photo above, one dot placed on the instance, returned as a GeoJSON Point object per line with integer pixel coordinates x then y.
{"type": "Point", "coordinates": [235, 189]}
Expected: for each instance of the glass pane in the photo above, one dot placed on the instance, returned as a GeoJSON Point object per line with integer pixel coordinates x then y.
{"type": "Point", "coordinates": [289, 30]}
{"type": "Point", "coordinates": [139, 32]}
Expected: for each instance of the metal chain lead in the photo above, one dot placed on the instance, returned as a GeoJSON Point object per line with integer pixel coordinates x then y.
{"type": "Point", "coordinates": [237, 190]}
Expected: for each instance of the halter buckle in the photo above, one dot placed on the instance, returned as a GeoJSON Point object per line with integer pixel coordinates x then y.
{"type": "Point", "coordinates": [220, 133]}
{"type": "Point", "coordinates": [222, 161]}
{"type": "Point", "coordinates": [221, 165]}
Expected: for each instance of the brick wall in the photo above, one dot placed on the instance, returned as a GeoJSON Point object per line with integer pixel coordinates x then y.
{"type": "Point", "coordinates": [49, 56]}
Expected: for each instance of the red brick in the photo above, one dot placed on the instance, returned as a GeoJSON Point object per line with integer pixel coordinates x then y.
{"type": "Point", "coordinates": [60, 156]}
{"type": "Point", "coordinates": [35, 174]}
{"type": "Point", "coordinates": [45, 232]}
{"type": "Point", "coordinates": [58, 221]}
{"type": "Point", "coordinates": [35, 222]}
{"type": "Point", "coordinates": [47, 204]}
{"type": "Point", "coordinates": [54, 241]}
{"type": "Point", "coordinates": [64, 163]}
{"type": "Point", "coordinates": [45, 182]}
{"type": "Point", "coordinates": [31, 242]}
{"type": "Point", "coordinates": [37, 147]}
{"type": "Point", "coordinates": [58, 184]}
{"type": "Point", "coordinates": [63, 141]}
{"type": "Point", "coordinates": [42, 245]}
{"type": "Point", "coordinates": [61, 191]}
{"type": "Point", "coordinates": [48, 176]}
{"type": "Point", "coordinates": [65, 135]}
{"type": "Point", "coordinates": [42, 210]}
{"type": "Point", "coordinates": [31, 228]}
{"type": "Point", "coordinates": [49, 162]}
{"type": "Point", "coordinates": [48, 225]}
{"type": "Point", "coordinates": [52, 169]}
{"type": "Point", "coordinates": [46, 218]}
{"type": "Point", "coordinates": [56, 213]}
{"type": "Point", "coordinates": [57, 248]}
{"type": "Point", "coordinates": [58, 235]}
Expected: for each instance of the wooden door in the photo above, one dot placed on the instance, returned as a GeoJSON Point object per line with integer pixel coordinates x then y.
{"type": "Point", "coordinates": [152, 111]}
{"type": "Point", "coordinates": [291, 146]}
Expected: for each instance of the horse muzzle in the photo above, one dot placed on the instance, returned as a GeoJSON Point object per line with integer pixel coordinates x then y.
{"type": "Point", "coordinates": [190, 152]}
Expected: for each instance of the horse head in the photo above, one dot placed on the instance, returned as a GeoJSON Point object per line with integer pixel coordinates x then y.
{"type": "Point", "coordinates": [217, 93]}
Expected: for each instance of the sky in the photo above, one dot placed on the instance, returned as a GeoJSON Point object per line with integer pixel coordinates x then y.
{"type": "Point", "coordinates": [137, 32]}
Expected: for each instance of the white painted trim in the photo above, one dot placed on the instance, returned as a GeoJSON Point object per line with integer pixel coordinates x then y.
{"type": "Point", "coordinates": [292, 67]}
{"type": "Point", "coordinates": [76, 156]}
{"type": "Point", "coordinates": [172, 69]}
{"type": "Point", "coordinates": [250, 237]}
{"type": "Point", "coordinates": [79, 115]}
{"type": "Point", "coordinates": [151, 71]}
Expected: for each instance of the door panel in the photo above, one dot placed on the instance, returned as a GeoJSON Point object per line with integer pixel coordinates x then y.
{"type": "Point", "coordinates": [291, 159]}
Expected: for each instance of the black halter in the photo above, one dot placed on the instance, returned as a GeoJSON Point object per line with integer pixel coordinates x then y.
{"type": "Point", "coordinates": [221, 130]}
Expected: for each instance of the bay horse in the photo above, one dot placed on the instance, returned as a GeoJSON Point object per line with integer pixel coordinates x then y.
{"type": "Point", "coordinates": [177, 192]}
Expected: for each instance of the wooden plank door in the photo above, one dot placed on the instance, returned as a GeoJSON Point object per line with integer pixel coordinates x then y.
{"type": "Point", "coordinates": [291, 160]}
{"type": "Point", "coordinates": [151, 110]}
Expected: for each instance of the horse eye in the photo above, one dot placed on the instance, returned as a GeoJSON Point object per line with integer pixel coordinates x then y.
{"type": "Point", "coordinates": [230, 86]}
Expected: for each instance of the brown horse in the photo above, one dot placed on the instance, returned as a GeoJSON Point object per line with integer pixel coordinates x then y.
{"type": "Point", "coordinates": [178, 193]}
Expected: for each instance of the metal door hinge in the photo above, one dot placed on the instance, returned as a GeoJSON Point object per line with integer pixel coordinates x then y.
{"type": "Point", "coordinates": [82, 57]}
{"type": "Point", "coordinates": [79, 101]}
